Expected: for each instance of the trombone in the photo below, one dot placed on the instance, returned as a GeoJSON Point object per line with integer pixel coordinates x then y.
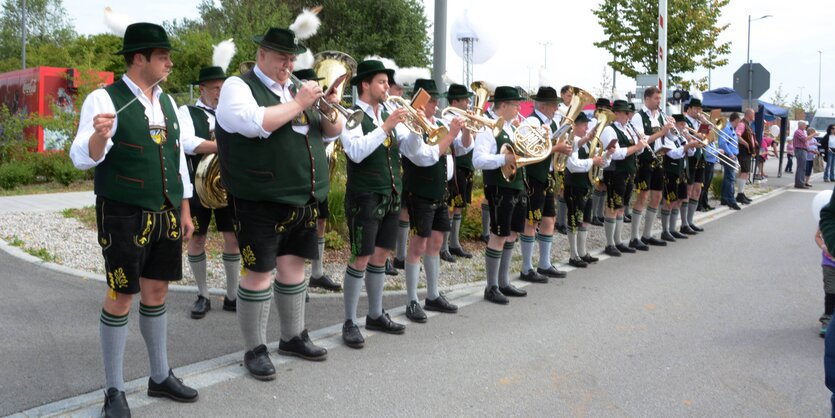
{"type": "Point", "coordinates": [718, 130]}
{"type": "Point", "coordinates": [331, 111]}
{"type": "Point", "coordinates": [414, 121]}
{"type": "Point", "coordinates": [713, 151]}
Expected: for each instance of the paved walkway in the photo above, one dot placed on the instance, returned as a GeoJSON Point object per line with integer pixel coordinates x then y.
{"type": "Point", "coordinates": [46, 202]}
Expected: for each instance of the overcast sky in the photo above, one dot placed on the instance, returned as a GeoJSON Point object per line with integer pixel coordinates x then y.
{"type": "Point", "coordinates": [785, 44]}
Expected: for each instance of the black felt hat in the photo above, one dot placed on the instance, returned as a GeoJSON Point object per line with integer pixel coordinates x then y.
{"type": "Point", "coordinates": [368, 68]}
{"type": "Point", "coordinates": [620, 106]}
{"type": "Point", "coordinates": [307, 74]}
{"type": "Point", "coordinates": [506, 94]}
{"type": "Point", "coordinates": [458, 91]}
{"type": "Point", "coordinates": [428, 85]}
{"type": "Point", "coordinates": [581, 118]}
{"type": "Point", "coordinates": [281, 40]}
{"type": "Point", "coordinates": [139, 36]}
{"type": "Point", "coordinates": [679, 117]}
{"type": "Point", "coordinates": [209, 74]}
{"type": "Point", "coordinates": [694, 103]}
{"type": "Point", "coordinates": [601, 102]}
{"type": "Point", "coordinates": [545, 94]}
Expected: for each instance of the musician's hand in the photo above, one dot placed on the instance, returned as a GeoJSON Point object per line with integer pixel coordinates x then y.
{"type": "Point", "coordinates": [308, 93]}
{"type": "Point", "coordinates": [188, 229]}
{"type": "Point", "coordinates": [510, 159]}
{"type": "Point", "coordinates": [333, 97]}
{"type": "Point", "coordinates": [667, 127]}
{"type": "Point", "coordinates": [597, 161]}
{"type": "Point", "coordinates": [456, 125]}
{"type": "Point", "coordinates": [103, 123]}
{"type": "Point", "coordinates": [563, 148]}
{"type": "Point", "coordinates": [644, 143]}
{"type": "Point", "coordinates": [398, 116]}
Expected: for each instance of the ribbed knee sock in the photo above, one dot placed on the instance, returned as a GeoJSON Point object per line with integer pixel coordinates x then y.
{"type": "Point", "coordinates": [375, 281]}
{"type": "Point", "coordinates": [253, 311]}
{"type": "Point", "coordinates": [198, 270]}
{"type": "Point", "coordinates": [113, 332]}
{"type": "Point", "coordinates": [232, 268]}
{"type": "Point", "coordinates": [527, 252]}
{"type": "Point", "coordinates": [352, 289]}
{"type": "Point", "coordinates": [545, 242]}
{"type": "Point", "coordinates": [289, 299]}
{"type": "Point", "coordinates": [153, 324]}
{"type": "Point", "coordinates": [504, 266]}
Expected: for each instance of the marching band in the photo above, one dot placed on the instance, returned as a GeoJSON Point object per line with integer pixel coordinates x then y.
{"type": "Point", "coordinates": [259, 139]}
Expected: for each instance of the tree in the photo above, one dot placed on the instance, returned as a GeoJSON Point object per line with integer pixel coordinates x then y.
{"type": "Point", "coordinates": [779, 97]}
{"type": "Point", "coordinates": [47, 22]}
{"type": "Point", "coordinates": [604, 89]}
{"type": "Point", "coordinates": [809, 105]}
{"type": "Point", "coordinates": [631, 31]}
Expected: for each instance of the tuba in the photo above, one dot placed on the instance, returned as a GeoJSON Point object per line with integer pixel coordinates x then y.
{"type": "Point", "coordinates": [414, 122]}
{"type": "Point", "coordinates": [530, 145]}
{"type": "Point", "coordinates": [604, 118]}
{"type": "Point", "coordinates": [565, 132]}
{"type": "Point", "coordinates": [482, 93]}
{"type": "Point", "coordinates": [207, 183]}
{"type": "Point", "coordinates": [331, 66]}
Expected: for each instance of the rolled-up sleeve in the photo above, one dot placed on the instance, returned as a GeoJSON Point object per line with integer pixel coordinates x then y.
{"type": "Point", "coordinates": [238, 112]}
{"type": "Point", "coordinates": [417, 151]}
{"type": "Point", "coordinates": [188, 188]}
{"type": "Point", "coordinates": [577, 165]}
{"type": "Point", "coordinates": [458, 144]}
{"type": "Point", "coordinates": [188, 137]}
{"type": "Point", "coordinates": [484, 153]}
{"type": "Point", "coordinates": [96, 103]}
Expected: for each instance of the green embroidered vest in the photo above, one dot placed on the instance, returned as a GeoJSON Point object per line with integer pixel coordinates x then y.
{"type": "Point", "coordinates": [629, 164]}
{"type": "Point", "coordinates": [540, 170]}
{"type": "Point", "coordinates": [200, 121]}
{"type": "Point", "coordinates": [579, 180]}
{"type": "Point", "coordinates": [426, 182]}
{"type": "Point", "coordinates": [379, 172]}
{"type": "Point", "coordinates": [646, 155]}
{"type": "Point", "coordinates": [495, 178]}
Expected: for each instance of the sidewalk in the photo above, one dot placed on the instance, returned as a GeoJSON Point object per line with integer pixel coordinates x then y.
{"type": "Point", "coordinates": [46, 202]}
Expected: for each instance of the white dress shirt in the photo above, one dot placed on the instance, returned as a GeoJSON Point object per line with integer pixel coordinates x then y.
{"type": "Point", "coordinates": [663, 142]}
{"type": "Point", "coordinates": [238, 112]}
{"type": "Point", "coordinates": [696, 125]}
{"type": "Point", "coordinates": [577, 165]}
{"type": "Point", "coordinates": [458, 142]}
{"type": "Point", "coordinates": [484, 154]}
{"type": "Point", "coordinates": [608, 135]}
{"type": "Point", "coordinates": [99, 102]}
{"type": "Point", "coordinates": [188, 137]}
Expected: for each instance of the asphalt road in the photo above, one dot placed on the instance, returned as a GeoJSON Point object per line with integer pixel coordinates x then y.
{"type": "Point", "coordinates": [721, 325]}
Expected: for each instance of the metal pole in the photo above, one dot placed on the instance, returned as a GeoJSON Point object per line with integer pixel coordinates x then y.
{"type": "Point", "coordinates": [545, 46]}
{"type": "Point", "coordinates": [820, 58]}
{"type": "Point", "coordinates": [439, 56]}
{"type": "Point", "coordinates": [662, 52]}
{"type": "Point", "coordinates": [23, 31]}
{"type": "Point", "coordinates": [750, 68]}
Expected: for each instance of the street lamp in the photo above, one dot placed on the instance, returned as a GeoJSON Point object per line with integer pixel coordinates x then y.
{"type": "Point", "coordinates": [748, 58]}
{"type": "Point", "coordinates": [820, 57]}
{"type": "Point", "coordinates": [545, 46]}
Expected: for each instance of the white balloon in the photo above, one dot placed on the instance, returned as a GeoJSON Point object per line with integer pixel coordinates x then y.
{"type": "Point", "coordinates": [820, 200]}
{"type": "Point", "coordinates": [774, 130]}
{"type": "Point", "coordinates": [475, 24]}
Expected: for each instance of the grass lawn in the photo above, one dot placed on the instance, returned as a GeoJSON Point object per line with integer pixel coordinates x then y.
{"type": "Point", "coordinates": [50, 187]}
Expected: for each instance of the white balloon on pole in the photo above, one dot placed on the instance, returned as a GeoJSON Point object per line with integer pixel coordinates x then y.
{"type": "Point", "coordinates": [820, 200]}
{"type": "Point", "coordinates": [774, 130]}
{"type": "Point", "coordinates": [473, 24]}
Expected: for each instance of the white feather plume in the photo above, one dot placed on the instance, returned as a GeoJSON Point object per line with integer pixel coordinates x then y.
{"type": "Point", "coordinates": [407, 76]}
{"type": "Point", "coordinates": [304, 61]}
{"type": "Point", "coordinates": [618, 95]}
{"type": "Point", "coordinates": [491, 86]}
{"type": "Point", "coordinates": [223, 54]}
{"type": "Point", "coordinates": [307, 23]}
{"type": "Point", "coordinates": [696, 95]}
{"type": "Point", "coordinates": [387, 62]}
{"type": "Point", "coordinates": [449, 80]}
{"type": "Point", "coordinates": [544, 80]}
{"type": "Point", "coordinates": [117, 22]}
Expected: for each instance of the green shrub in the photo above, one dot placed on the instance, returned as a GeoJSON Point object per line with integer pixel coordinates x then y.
{"type": "Point", "coordinates": [471, 222]}
{"type": "Point", "coordinates": [334, 240]}
{"type": "Point", "coordinates": [15, 173]}
{"type": "Point", "coordinates": [64, 172]}
{"type": "Point", "coordinates": [716, 186]}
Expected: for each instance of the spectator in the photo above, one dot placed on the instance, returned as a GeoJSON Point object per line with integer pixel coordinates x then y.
{"type": "Point", "coordinates": [828, 144]}
{"type": "Point", "coordinates": [768, 142]}
{"type": "Point", "coordinates": [728, 145]}
{"type": "Point", "coordinates": [811, 154]}
{"type": "Point", "coordinates": [800, 148]}
{"type": "Point", "coordinates": [747, 149]}
{"type": "Point", "coordinates": [789, 154]}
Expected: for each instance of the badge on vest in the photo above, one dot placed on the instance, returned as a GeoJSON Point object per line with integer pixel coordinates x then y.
{"type": "Point", "coordinates": [159, 134]}
{"type": "Point", "coordinates": [301, 120]}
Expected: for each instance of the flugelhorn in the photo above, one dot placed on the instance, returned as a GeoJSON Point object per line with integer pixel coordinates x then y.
{"type": "Point", "coordinates": [604, 118]}
{"type": "Point", "coordinates": [530, 145]}
{"type": "Point", "coordinates": [335, 68]}
{"type": "Point", "coordinates": [475, 123]}
{"type": "Point", "coordinates": [331, 111]}
{"type": "Point", "coordinates": [414, 121]}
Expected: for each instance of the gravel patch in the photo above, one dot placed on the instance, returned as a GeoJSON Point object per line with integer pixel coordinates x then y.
{"type": "Point", "coordinates": [74, 245]}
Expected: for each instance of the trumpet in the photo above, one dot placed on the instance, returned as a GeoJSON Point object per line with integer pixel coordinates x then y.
{"type": "Point", "coordinates": [331, 111]}
{"type": "Point", "coordinates": [414, 121]}
{"type": "Point", "coordinates": [475, 123]}
{"type": "Point", "coordinates": [713, 151]}
{"type": "Point", "coordinates": [530, 145]}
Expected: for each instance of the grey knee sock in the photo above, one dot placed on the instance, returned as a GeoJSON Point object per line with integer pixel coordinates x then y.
{"type": "Point", "coordinates": [562, 212]}
{"type": "Point", "coordinates": [445, 242]}
{"type": "Point", "coordinates": [627, 210]}
{"type": "Point", "coordinates": [485, 219]}
{"type": "Point", "coordinates": [545, 242]}
{"type": "Point", "coordinates": [674, 215]}
{"type": "Point", "coordinates": [153, 324]}
{"type": "Point", "coordinates": [253, 311]}
{"type": "Point", "coordinates": [636, 223]}
{"type": "Point", "coordinates": [598, 205]}
{"type": "Point", "coordinates": [649, 220]}
{"type": "Point", "coordinates": [665, 220]}
{"type": "Point", "coordinates": [581, 241]}
{"type": "Point", "coordinates": [113, 332]}
{"type": "Point", "coordinates": [432, 266]}
{"type": "Point", "coordinates": [456, 231]}
{"type": "Point", "coordinates": [740, 186]}
{"type": "Point", "coordinates": [609, 231]}
{"type": "Point", "coordinates": [289, 299]}
{"type": "Point", "coordinates": [375, 280]}
{"type": "Point", "coordinates": [684, 213]}
{"type": "Point", "coordinates": [402, 239]}
{"type": "Point", "coordinates": [352, 288]}
{"type": "Point", "coordinates": [692, 205]}
{"type": "Point", "coordinates": [504, 266]}
{"type": "Point", "coordinates": [618, 229]}
{"type": "Point", "coordinates": [527, 252]}
{"type": "Point", "coordinates": [316, 266]}
{"type": "Point", "coordinates": [198, 270]}
{"type": "Point", "coordinates": [492, 258]}
{"type": "Point", "coordinates": [572, 244]}
{"type": "Point", "coordinates": [232, 267]}
{"type": "Point", "coordinates": [412, 279]}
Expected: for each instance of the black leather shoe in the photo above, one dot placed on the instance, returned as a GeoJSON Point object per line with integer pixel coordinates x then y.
{"type": "Point", "coordinates": [324, 282]}
{"type": "Point", "coordinates": [459, 252]}
{"type": "Point", "coordinates": [115, 404]}
{"type": "Point", "coordinates": [734, 206]}
{"type": "Point", "coordinates": [230, 305]}
{"type": "Point", "coordinates": [493, 294]}
{"type": "Point", "coordinates": [532, 276]}
{"type": "Point", "coordinates": [385, 324]}
{"type": "Point", "coordinates": [562, 229]}
{"type": "Point", "coordinates": [446, 256]}
{"type": "Point", "coordinates": [576, 262]}
{"type": "Point", "coordinates": [398, 263]}
{"type": "Point", "coordinates": [697, 228]}
{"type": "Point", "coordinates": [201, 307]}
{"type": "Point", "coordinates": [172, 388]}
{"type": "Point", "coordinates": [625, 249]}
{"type": "Point", "coordinates": [741, 199]}
{"type": "Point", "coordinates": [439, 304]}
{"type": "Point", "coordinates": [589, 259]}
{"type": "Point", "coordinates": [596, 221]}
{"type": "Point", "coordinates": [513, 291]}
{"type": "Point", "coordinates": [257, 361]}
{"type": "Point", "coordinates": [306, 295]}
{"type": "Point", "coordinates": [351, 335]}
{"type": "Point", "coordinates": [301, 346]}
{"type": "Point", "coordinates": [390, 270]}
{"type": "Point", "coordinates": [414, 312]}
{"type": "Point", "coordinates": [666, 236]}
{"type": "Point", "coordinates": [611, 250]}
{"type": "Point", "coordinates": [653, 241]}
{"type": "Point", "coordinates": [552, 272]}
{"type": "Point", "coordinates": [678, 235]}
{"type": "Point", "coordinates": [687, 230]}
{"type": "Point", "coordinates": [627, 219]}
{"type": "Point", "coordinates": [638, 245]}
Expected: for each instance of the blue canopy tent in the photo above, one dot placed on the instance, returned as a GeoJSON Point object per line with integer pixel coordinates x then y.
{"type": "Point", "coordinates": [727, 100]}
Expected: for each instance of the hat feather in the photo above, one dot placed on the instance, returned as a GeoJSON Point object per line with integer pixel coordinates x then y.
{"type": "Point", "coordinates": [117, 22]}
{"type": "Point", "coordinates": [307, 23]}
{"type": "Point", "coordinates": [407, 76]}
{"type": "Point", "coordinates": [387, 62]}
{"type": "Point", "coordinates": [223, 54]}
{"type": "Point", "coordinates": [491, 86]}
{"type": "Point", "coordinates": [304, 61]}
{"type": "Point", "coordinates": [449, 80]}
